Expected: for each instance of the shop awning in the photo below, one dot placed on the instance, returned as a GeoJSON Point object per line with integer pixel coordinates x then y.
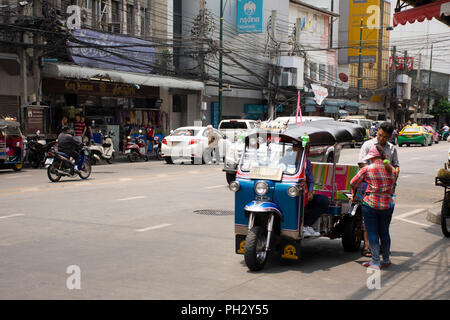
{"type": "Point", "coordinates": [58, 70]}
{"type": "Point", "coordinates": [428, 11]}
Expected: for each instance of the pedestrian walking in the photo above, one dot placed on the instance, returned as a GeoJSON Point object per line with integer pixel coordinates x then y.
{"type": "Point", "coordinates": [79, 128]}
{"type": "Point", "coordinates": [63, 123]}
{"type": "Point", "coordinates": [377, 205]}
{"type": "Point", "coordinates": [384, 133]}
{"type": "Point", "coordinates": [213, 145]}
{"type": "Point", "coordinates": [150, 134]}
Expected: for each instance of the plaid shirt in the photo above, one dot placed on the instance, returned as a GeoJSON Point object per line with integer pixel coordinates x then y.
{"type": "Point", "coordinates": [380, 185]}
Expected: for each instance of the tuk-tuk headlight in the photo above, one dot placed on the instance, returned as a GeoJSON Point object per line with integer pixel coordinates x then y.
{"type": "Point", "coordinates": [261, 188]}
{"type": "Point", "coordinates": [234, 186]}
{"type": "Point", "coordinates": [293, 191]}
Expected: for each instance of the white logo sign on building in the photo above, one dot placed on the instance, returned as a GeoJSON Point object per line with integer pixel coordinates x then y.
{"type": "Point", "coordinates": [320, 93]}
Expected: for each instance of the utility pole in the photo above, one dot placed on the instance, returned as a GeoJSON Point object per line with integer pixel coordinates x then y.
{"type": "Point", "coordinates": [381, 30]}
{"type": "Point", "coordinates": [418, 84]}
{"type": "Point", "coordinates": [359, 60]}
{"type": "Point", "coordinates": [37, 53]}
{"type": "Point", "coordinates": [221, 61]}
{"type": "Point", "coordinates": [394, 80]}
{"type": "Point", "coordinates": [272, 64]}
{"type": "Point", "coordinates": [405, 71]}
{"type": "Point", "coordinates": [201, 56]}
{"type": "Point", "coordinates": [23, 77]}
{"type": "Point", "coordinates": [429, 76]}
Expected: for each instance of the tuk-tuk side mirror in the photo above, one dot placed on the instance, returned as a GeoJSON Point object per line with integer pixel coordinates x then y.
{"type": "Point", "coordinates": [38, 132]}
{"type": "Point", "coordinates": [171, 131]}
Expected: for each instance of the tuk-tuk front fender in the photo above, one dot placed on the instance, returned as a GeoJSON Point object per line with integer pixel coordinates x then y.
{"type": "Point", "coordinates": [263, 207]}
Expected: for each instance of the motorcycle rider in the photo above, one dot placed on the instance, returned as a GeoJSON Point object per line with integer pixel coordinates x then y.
{"type": "Point", "coordinates": [68, 145]}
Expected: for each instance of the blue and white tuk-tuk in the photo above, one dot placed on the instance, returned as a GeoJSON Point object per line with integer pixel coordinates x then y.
{"type": "Point", "coordinates": [271, 192]}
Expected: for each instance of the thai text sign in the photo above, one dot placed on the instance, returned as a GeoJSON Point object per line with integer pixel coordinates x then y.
{"type": "Point", "coordinates": [400, 63]}
{"type": "Point", "coordinates": [250, 16]}
{"type": "Point", "coordinates": [109, 51]}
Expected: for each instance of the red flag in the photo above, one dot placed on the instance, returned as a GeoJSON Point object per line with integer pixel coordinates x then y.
{"type": "Point", "coordinates": [299, 110]}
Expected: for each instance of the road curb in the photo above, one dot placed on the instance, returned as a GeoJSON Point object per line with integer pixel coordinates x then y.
{"type": "Point", "coordinates": [434, 215]}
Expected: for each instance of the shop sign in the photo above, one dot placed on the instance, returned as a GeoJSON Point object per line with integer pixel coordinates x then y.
{"type": "Point", "coordinates": [111, 51]}
{"type": "Point", "coordinates": [35, 119]}
{"type": "Point", "coordinates": [250, 16]}
{"type": "Point", "coordinates": [98, 88]}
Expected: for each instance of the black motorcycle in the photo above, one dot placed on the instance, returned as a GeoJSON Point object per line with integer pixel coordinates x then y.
{"type": "Point", "coordinates": [59, 164]}
{"type": "Point", "coordinates": [37, 150]}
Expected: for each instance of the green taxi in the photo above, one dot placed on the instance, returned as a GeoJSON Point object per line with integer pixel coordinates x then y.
{"type": "Point", "coordinates": [414, 135]}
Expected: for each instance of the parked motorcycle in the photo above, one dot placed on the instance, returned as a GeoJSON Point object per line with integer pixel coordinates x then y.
{"type": "Point", "coordinates": [157, 140]}
{"type": "Point", "coordinates": [37, 150]}
{"type": "Point", "coordinates": [136, 150]}
{"type": "Point", "coordinates": [59, 164]}
{"type": "Point", "coordinates": [104, 151]}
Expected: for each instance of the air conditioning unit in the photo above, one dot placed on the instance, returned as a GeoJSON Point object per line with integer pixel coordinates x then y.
{"type": "Point", "coordinates": [286, 79]}
{"type": "Point", "coordinates": [293, 66]}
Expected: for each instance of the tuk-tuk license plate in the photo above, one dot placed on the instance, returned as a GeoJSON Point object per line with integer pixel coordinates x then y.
{"type": "Point", "coordinates": [266, 173]}
{"type": "Point", "coordinates": [127, 151]}
{"type": "Point", "coordinates": [49, 161]}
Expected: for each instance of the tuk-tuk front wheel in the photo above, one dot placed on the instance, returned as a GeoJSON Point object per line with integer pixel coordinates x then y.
{"type": "Point", "coordinates": [254, 249]}
{"type": "Point", "coordinates": [351, 239]}
{"type": "Point", "coordinates": [445, 216]}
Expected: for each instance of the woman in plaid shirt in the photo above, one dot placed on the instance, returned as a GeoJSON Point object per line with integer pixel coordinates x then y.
{"type": "Point", "coordinates": [377, 206]}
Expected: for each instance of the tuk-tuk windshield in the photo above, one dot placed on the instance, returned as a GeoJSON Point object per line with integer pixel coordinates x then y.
{"type": "Point", "coordinates": [274, 155]}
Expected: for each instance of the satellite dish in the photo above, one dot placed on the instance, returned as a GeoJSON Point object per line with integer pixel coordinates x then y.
{"type": "Point", "coordinates": [343, 77]}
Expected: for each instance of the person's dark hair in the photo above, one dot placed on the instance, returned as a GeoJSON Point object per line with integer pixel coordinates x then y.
{"type": "Point", "coordinates": [65, 128]}
{"type": "Point", "coordinates": [387, 127]}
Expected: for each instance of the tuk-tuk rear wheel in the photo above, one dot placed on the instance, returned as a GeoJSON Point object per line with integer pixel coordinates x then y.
{"type": "Point", "coordinates": [254, 253]}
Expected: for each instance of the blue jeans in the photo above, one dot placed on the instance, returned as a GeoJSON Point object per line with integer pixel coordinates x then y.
{"type": "Point", "coordinates": [377, 226]}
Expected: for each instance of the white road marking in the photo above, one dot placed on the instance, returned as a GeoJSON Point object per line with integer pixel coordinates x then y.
{"type": "Point", "coordinates": [162, 175]}
{"type": "Point", "coordinates": [154, 227]}
{"type": "Point", "coordinates": [125, 179]}
{"type": "Point", "coordinates": [30, 189]}
{"type": "Point", "coordinates": [410, 213]}
{"type": "Point", "coordinates": [414, 222]}
{"type": "Point", "coordinates": [13, 215]}
{"type": "Point", "coordinates": [216, 187]}
{"type": "Point", "coordinates": [132, 198]}
{"type": "Point", "coordinates": [19, 176]}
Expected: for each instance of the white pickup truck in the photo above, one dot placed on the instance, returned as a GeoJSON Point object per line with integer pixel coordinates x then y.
{"type": "Point", "coordinates": [234, 131]}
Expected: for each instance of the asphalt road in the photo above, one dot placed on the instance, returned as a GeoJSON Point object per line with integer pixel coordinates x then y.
{"type": "Point", "coordinates": [132, 232]}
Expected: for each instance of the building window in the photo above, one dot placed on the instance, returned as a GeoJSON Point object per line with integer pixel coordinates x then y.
{"type": "Point", "coordinates": [313, 71]}
{"type": "Point", "coordinates": [322, 72]}
{"type": "Point", "coordinates": [130, 19]}
{"type": "Point", "coordinates": [144, 22]}
{"type": "Point", "coordinates": [115, 17]}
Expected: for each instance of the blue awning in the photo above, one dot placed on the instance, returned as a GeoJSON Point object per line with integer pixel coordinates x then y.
{"type": "Point", "coordinates": [310, 108]}
{"type": "Point", "coordinates": [330, 109]}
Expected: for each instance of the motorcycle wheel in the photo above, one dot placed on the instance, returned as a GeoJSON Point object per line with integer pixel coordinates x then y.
{"type": "Point", "coordinates": [109, 160]}
{"type": "Point", "coordinates": [168, 160]}
{"type": "Point", "coordinates": [85, 171]}
{"type": "Point", "coordinates": [146, 158]}
{"type": "Point", "coordinates": [254, 253]}
{"type": "Point", "coordinates": [130, 157]}
{"type": "Point", "coordinates": [52, 173]}
{"type": "Point", "coordinates": [351, 239]}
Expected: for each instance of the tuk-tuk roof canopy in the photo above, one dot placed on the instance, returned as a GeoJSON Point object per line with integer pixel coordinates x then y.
{"type": "Point", "coordinates": [327, 132]}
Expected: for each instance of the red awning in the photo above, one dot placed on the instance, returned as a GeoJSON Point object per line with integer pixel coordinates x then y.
{"type": "Point", "coordinates": [420, 13]}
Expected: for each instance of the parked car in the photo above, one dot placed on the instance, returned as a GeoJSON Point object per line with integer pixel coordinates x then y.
{"type": "Point", "coordinates": [433, 132]}
{"type": "Point", "coordinates": [189, 143]}
{"type": "Point", "coordinates": [414, 135]}
{"type": "Point", "coordinates": [365, 123]}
